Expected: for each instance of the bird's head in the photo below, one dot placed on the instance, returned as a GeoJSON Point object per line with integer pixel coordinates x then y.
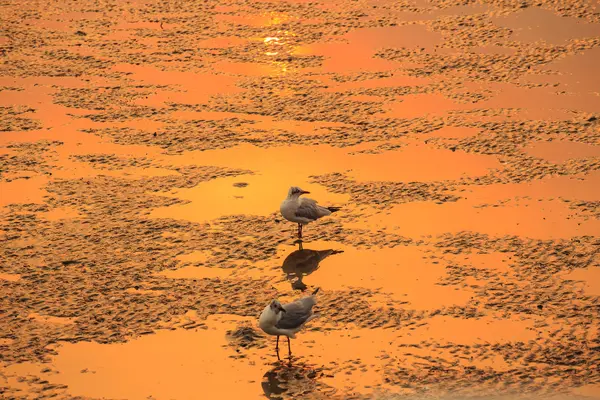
{"type": "Point", "coordinates": [276, 307]}
{"type": "Point", "coordinates": [295, 191]}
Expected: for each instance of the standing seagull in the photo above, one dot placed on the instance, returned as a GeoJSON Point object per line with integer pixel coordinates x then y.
{"type": "Point", "coordinates": [277, 319]}
{"type": "Point", "coordinates": [303, 210]}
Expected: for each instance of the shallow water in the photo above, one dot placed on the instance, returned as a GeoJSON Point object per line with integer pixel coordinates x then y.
{"type": "Point", "coordinates": [145, 148]}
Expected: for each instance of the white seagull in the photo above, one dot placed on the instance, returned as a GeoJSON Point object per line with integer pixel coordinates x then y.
{"type": "Point", "coordinates": [302, 210]}
{"type": "Point", "coordinates": [286, 320]}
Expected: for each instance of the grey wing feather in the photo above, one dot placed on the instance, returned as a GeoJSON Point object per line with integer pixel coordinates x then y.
{"type": "Point", "coordinates": [308, 209]}
{"type": "Point", "coordinates": [296, 313]}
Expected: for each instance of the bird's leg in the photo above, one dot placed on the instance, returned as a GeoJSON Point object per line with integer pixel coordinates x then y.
{"type": "Point", "coordinates": [289, 348]}
{"type": "Point", "coordinates": [277, 345]}
{"type": "Point", "coordinates": [299, 231]}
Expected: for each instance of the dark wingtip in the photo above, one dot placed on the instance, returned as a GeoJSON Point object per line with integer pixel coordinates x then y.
{"type": "Point", "coordinates": [334, 209]}
{"type": "Point", "coordinates": [316, 291]}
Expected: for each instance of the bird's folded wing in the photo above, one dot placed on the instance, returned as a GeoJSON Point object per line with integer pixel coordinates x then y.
{"type": "Point", "coordinates": [295, 314]}
{"type": "Point", "coordinates": [308, 208]}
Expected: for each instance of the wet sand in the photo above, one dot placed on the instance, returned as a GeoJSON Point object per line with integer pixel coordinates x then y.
{"type": "Point", "coordinates": [145, 148]}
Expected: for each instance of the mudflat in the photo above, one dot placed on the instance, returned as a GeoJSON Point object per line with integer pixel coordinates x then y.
{"type": "Point", "coordinates": [145, 147]}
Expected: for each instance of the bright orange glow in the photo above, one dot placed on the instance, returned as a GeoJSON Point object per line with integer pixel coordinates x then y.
{"type": "Point", "coordinates": [146, 148]}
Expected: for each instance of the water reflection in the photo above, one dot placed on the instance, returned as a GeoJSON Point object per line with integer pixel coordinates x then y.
{"type": "Point", "coordinates": [303, 262]}
{"type": "Point", "coordinates": [270, 385]}
{"type": "Point", "coordinates": [292, 379]}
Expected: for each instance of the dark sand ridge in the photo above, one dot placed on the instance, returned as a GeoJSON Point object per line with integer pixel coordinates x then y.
{"type": "Point", "coordinates": [475, 127]}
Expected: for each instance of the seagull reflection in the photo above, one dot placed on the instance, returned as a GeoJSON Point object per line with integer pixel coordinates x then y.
{"type": "Point", "coordinates": [303, 262]}
{"type": "Point", "coordinates": [271, 385]}
{"type": "Point", "coordinates": [295, 380]}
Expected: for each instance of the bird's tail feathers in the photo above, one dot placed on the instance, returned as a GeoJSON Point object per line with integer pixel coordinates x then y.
{"type": "Point", "coordinates": [334, 209]}
{"type": "Point", "coordinates": [315, 315]}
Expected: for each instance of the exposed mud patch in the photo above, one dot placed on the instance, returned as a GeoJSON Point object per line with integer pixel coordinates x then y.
{"type": "Point", "coordinates": [146, 148]}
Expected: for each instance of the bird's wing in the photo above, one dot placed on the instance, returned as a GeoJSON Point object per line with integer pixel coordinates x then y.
{"type": "Point", "coordinates": [308, 209]}
{"type": "Point", "coordinates": [296, 313]}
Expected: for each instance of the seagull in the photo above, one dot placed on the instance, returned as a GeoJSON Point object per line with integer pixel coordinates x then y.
{"type": "Point", "coordinates": [287, 319]}
{"type": "Point", "coordinates": [303, 210]}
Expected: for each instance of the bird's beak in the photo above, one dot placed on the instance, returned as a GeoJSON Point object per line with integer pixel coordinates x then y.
{"type": "Point", "coordinates": [282, 309]}
{"type": "Point", "coordinates": [304, 192]}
